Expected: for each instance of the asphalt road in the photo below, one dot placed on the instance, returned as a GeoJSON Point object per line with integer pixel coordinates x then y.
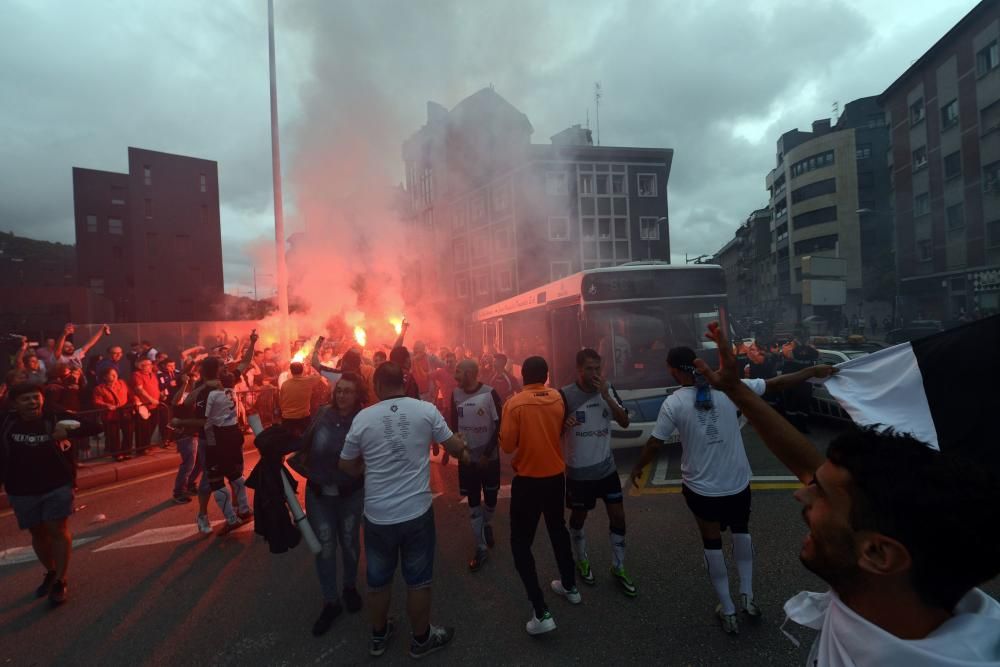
{"type": "Point", "coordinates": [172, 597]}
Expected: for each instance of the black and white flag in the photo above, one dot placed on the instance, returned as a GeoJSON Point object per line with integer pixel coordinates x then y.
{"type": "Point", "coordinates": [943, 389]}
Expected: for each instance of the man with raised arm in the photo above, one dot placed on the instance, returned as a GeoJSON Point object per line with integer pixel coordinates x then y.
{"type": "Point", "coordinates": [903, 533]}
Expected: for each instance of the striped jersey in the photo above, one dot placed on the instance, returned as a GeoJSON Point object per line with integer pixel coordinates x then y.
{"type": "Point", "coordinates": [588, 444]}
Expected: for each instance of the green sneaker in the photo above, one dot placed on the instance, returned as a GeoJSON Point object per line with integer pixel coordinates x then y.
{"type": "Point", "coordinates": [626, 583]}
{"type": "Point", "coordinates": [583, 567]}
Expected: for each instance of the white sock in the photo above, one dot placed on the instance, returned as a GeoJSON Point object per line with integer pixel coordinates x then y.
{"type": "Point", "coordinates": [743, 553]}
{"type": "Point", "coordinates": [240, 494]}
{"type": "Point", "coordinates": [476, 515]}
{"type": "Point", "coordinates": [222, 497]}
{"type": "Point", "coordinates": [617, 550]}
{"type": "Point", "coordinates": [719, 575]}
{"type": "Point", "coordinates": [579, 542]}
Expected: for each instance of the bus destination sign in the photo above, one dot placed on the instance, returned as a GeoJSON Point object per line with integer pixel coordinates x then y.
{"type": "Point", "coordinates": [613, 286]}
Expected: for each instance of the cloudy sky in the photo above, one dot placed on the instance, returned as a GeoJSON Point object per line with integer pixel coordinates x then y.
{"type": "Point", "coordinates": [717, 81]}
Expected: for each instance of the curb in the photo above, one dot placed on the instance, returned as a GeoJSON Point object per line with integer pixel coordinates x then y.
{"type": "Point", "coordinates": [104, 473]}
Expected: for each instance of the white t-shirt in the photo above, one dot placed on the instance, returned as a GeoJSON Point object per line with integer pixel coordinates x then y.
{"type": "Point", "coordinates": [392, 438]}
{"type": "Point", "coordinates": [74, 360]}
{"type": "Point", "coordinates": [713, 459]}
{"type": "Point", "coordinates": [220, 408]}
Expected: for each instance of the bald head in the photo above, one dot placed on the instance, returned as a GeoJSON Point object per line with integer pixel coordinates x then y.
{"type": "Point", "coordinates": [467, 374]}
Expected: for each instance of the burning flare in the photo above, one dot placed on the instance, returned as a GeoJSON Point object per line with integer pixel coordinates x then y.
{"type": "Point", "coordinates": [397, 324]}
{"type": "Point", "coordinates": [360, 336]}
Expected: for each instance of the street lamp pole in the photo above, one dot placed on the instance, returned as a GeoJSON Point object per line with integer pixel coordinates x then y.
{"type": "Point", "coordinates": [279, 214]}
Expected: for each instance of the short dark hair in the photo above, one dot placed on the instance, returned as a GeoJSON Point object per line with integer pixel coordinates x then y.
{"type": "Point", "coordinates": [586, 353]}
{"type": "Point", "coordinates": [399, 355]}
{"type": "Point", "coordinates": [389, 375]}
{"type": "Point", "coordinates": [534, 370]}
{"type": "Point", "coordinates": [681, 358]}
{"type": "Point", "coordinates": [210, 367]}
{"type": "Point", "coordinates": [351, 361]}
{"type": "Point", "coordinates": [22, 388]}
{"type": "Point", "coordinates": [359, 386]}
{"type": "Point", "coordinates": [941, 506]}
{"type": "Point", "coordinates": [295, 368]}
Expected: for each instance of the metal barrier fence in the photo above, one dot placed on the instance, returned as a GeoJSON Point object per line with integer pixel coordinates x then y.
{"type": "Point", "coordinates": [127, 433]}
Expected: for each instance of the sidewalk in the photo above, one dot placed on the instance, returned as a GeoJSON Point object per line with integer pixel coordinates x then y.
{"type": "Point", "coordinates": [104, 472]}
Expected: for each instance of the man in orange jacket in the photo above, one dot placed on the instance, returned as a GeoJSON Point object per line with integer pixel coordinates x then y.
{"type": "Point", "coordinates": [530, 428]}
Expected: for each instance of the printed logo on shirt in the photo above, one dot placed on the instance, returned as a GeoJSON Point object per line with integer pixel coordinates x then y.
{"type": "Point", "coordinates": [394, 408]}
{"type": "Point", "coordinates": [481, 412]}
{"type": "Point", "coordinates": [461, 411]}
{"type": "Point", "coordinates": [604, 413]}
{"type": "Point", "coordinates": [581, 416]}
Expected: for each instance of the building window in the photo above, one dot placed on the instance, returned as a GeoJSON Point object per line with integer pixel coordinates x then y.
{"type": "Point", "coordinates": [924, 250]}
{"type": "Point", "coordinates": [586, 184]}
{"type": "Point", "coordinates": [92, 223]}
{"type": "Point", "coordinates": [501, 240]}
{"type": "Point", "coordinates": [504, 280]}
{"type": "Point", "coordinates": [460, 251]}
{"type": "Point", "coordinates": [949, 114]}
{"type": "Point", "coordinates": [501, 198]}
{"type": "Point", "coordinates": [480, 246]}
{"type": "Point", "coordinates": [917, 112]}
{"type": "Point", "coordinates": [559, 229]}
{"type": "Point", "coordinates": [991, 178]}
{"type": "Point", "coordinates": [559, 270]}
{"type": "Point", "coordinates": [953, 165]}
{"type": "Point", "coordinates": [646, 185]}
{"type": "Point", "coordinates": [817, 161]}
{"type": "Point", "coordinates": [956, 217]}
{"type": "Point", "coordinates": [602, 182]}
{"type": "Point", "coordinates": [203, 183]}
{"type": "Point", "coordinates": [818, 244]}
{"type": "Point", "coordinates": [863, 152]}
{"type": "Point", "coordinates": [114, 226]}
{"type": "Point", "coordinates": [824, 187]}
{"type": "Point", "coordinates": [919, 158]}
{"type": "Point", "coordinates": [478, 210]}
{"type": "Point", "coordinates": [649, 229]}
{"type": "Point", "coordinates": [462, 287]}
{"type": "Point", "coordinates": [555, 183]}
{"type": "Point", "coordinates": [922, 204]}
{"type": "Point", "coordinates": [989, 119]}
{"type": "Point", "coordinates": [97, 284]}
{"type": "Point", "coordinates": [618, 184]}
{"type": "Point", "coordinates": [817, 217]}
{"type": "Point", "coordinates": [117, 202]}
{"type": "Point", "coordinates": [147, 175]}
{"type": "Point", "coordinates": [483, 284]}
{"type": "Point", "coordinates": [987, 59]}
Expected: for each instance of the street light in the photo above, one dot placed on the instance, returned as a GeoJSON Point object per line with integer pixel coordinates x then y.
{"type": "Point", "coordinates": [649, 241]}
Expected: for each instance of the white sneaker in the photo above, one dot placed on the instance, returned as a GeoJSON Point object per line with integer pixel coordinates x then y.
{"type": "Point", "coordinates": [203, 524]}
{"type": "Point", "coordinates": [539, 626]}
{"type": "Point", "coordinates": [748, 606]}
{"type": "Point", "coordinates": [728, 621]}
{"type": "Point", "coordinates": [573, 595]}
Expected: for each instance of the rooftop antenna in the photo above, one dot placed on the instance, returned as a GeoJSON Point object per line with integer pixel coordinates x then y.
{"type": "Point", "coordinates": [597, 109]}
{"type": "Point", "coordinates": [836, 110]}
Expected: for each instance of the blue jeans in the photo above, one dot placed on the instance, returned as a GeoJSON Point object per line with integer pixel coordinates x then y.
{"type": "Point", "coordinates": [191, 464]}
{"type": "Point", "coordinates": [334, 519]}
{"type": "Point", "coordinates": [414, 540]}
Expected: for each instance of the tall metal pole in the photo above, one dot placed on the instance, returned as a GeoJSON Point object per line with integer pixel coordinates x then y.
{"type": "Point", "coordinates": [279, 214]}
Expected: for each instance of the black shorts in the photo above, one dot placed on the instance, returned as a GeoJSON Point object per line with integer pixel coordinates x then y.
{"type": "Point", "coordinates": [473, 479]}
{"type": "Point", "coordinates": [733, 510]}
{"type": "Point", "coordinates": [224, 453]}
{"type": "Point", "coordinates": [582, 494]}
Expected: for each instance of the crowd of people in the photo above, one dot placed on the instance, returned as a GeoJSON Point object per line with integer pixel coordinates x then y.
{"type": "Point", "coordinates": [898, 530]}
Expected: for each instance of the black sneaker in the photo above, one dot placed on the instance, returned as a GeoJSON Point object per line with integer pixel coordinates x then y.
{"type": "Point", "coordinates": [352, 600]}
{"type": "Point", "coordinates": [58, 593]}
{"type": "Point", "coordinates": [181, 498]}
{"type": "Point", "coordinates": [478, 559]}
{"type": "Point", "coordinates": [43, 590]}
{"type": "Point", "coordinates": [437, 639]}
{"type": "Point", "coordinates": [378, 643]}
{"type": "Point", "coordinates": [325, 620]}
{"type": "Point", "coordinates": [488, 534]}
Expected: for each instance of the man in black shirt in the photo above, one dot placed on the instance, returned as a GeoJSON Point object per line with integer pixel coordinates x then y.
{"type": "Point", "coordinates": [36, 468]}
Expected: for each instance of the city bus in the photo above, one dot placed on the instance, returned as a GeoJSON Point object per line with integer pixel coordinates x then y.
{"type": "Point", "coordinates": [631, 314]}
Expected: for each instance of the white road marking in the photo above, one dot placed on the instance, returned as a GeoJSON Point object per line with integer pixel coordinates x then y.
{"type": "Point", "coordinates": [156, 536]}
{"type": "Point", "coordinates": [660, 472]}
{"type": "Point", "coordinates": [17, 555]}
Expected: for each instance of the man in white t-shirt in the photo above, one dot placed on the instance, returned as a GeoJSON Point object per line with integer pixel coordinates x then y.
{"type": "Point", "coordinates": [715, 470]}
{"type": "Point", "coordinates": [901, 532]}
{"type": "Point", "coordinates": [388, 444]}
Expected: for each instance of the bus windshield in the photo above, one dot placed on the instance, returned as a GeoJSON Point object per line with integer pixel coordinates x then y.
{"type": "Point", "coordinates": [633, 338]}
